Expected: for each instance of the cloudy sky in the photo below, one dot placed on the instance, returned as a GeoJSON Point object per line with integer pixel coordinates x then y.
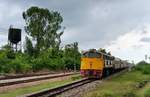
{"type": "Point", "coordinates": [120, 26]}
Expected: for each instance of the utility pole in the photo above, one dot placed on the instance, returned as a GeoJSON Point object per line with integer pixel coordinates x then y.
{"type": "Point", "coordinates": [146, 57]}
{"type": "Point", "coordinates": [133, 62]}
{"type": "Point", "coordinates": [74, 62]}
{"type": "Point", "coordinates": [74, 45]}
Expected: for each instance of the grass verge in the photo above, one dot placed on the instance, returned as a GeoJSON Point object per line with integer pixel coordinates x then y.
{"type": "Point", "coordinates": [129, 84]}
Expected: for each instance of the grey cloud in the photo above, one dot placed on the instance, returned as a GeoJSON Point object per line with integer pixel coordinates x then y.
{"type": "Point", "coordinates": [145, 39]}
{"type": "Point", "coordinates": [93, 23]}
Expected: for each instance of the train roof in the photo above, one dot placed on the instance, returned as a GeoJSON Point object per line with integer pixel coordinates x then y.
{"type": "Point", "coordinates": [117, 58]}
{"type": "Point", "coordinates": [96, 51]}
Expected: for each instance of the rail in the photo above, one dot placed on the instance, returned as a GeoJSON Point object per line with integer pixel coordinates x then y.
{"type": "Point", "coordinates": [33, 79]}
{"type": "Point", "coordinates": [55, 91]}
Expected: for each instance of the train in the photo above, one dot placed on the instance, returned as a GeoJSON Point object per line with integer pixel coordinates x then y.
{"type": "Point", "coordinates": [99, 64]}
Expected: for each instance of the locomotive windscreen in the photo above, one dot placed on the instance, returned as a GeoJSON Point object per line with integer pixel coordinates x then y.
{"type": "Point", "coordinates": [91, 55]}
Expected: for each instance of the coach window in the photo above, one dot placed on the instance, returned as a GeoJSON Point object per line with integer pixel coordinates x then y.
{"type": "Point", "coordinates": [105, 62]}
{"type": "Point", "coordinates": [110, 62]}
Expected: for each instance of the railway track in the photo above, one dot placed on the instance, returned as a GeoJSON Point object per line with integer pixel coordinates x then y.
{"type": "Point", "coordinates": [31, 79]}
{"type": "Point", "coordinates": [55, 91]}
{"type": "Point", "coordinates": [5, 77]}
{"type": "Point", "coordinates": [58, 90]}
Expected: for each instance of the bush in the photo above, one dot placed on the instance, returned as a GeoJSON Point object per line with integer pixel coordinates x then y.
{"type": "Point", "coordinates": [108, 95]}
{"type": "Point", "coordinates": [37, 64]}
{"type": "Point", "coordinates": [49, 59]}
{"type": "Point", "coordinates": [4, 63]}
{"type": "Point", "coordinates": [130, 94]}
{"type": "Point", "coordinates": [20, 64]}
{"type": "Point", "coordinates": [147, 93]}
{"type": "Point", "coordinates": [144, 68]}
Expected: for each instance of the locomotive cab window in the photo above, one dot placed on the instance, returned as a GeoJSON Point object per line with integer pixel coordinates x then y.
{"type": "Point", "coordinates": [91, 55]}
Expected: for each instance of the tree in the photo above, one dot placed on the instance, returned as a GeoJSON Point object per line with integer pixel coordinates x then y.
{"type": "Point", "coordinates": [29, 47]}
{"type": "Point", "coordinates": [72, 55]}
{"type": "Point", "coordinates": [9, 51]}
{"type": "Point", "coordinates": [42, 25]}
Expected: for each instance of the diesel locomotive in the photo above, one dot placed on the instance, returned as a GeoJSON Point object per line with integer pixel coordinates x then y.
{"type": "Point", "coordinates": [98, 64]}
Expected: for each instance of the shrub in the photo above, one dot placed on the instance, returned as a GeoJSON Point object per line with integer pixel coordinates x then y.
{"type": "Point", "coordinates": [147, 93]}
{"type": "Point", "coordinates": [4, 63]}
{"type": "Point", "coordinates": [20, 64]}
{"type": "Point", "coordinates": [49, 59]}
{"type": "Point", "coordinates": [108, 95]}
{"type": "Point", "coordinates": [144, 68]}
{"type": "Point", "coordinates": [130, 94]}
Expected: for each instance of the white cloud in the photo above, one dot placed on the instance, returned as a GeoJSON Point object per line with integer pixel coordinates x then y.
{"type": "Point", "coordinates": [3, 40]}
{"type": "Point", "coordinates": [129, 46]}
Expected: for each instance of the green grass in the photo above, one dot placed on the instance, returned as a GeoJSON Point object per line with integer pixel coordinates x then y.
{"type": "Point", "coordinates": [124, 85]}
{"type": "Point", "coordinates": [145, 92]}
{"type": "Point", "coordinates": [47, 85]}
{"type": "Point", "coordinates": [144, 68]}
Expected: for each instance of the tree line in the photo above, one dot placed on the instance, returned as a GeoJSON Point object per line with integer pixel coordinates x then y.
{"type": "Point", "coordinates": [42, 49]}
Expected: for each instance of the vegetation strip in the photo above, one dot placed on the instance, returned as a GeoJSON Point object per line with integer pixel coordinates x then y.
{"type": "Point", "coordinates": [31, 80]}
{"type": "Point", "coordinates": [135, 83]}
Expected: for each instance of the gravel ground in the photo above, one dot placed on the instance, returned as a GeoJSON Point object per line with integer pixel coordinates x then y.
{"type": "Point", "coordinates": [79, 91]}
